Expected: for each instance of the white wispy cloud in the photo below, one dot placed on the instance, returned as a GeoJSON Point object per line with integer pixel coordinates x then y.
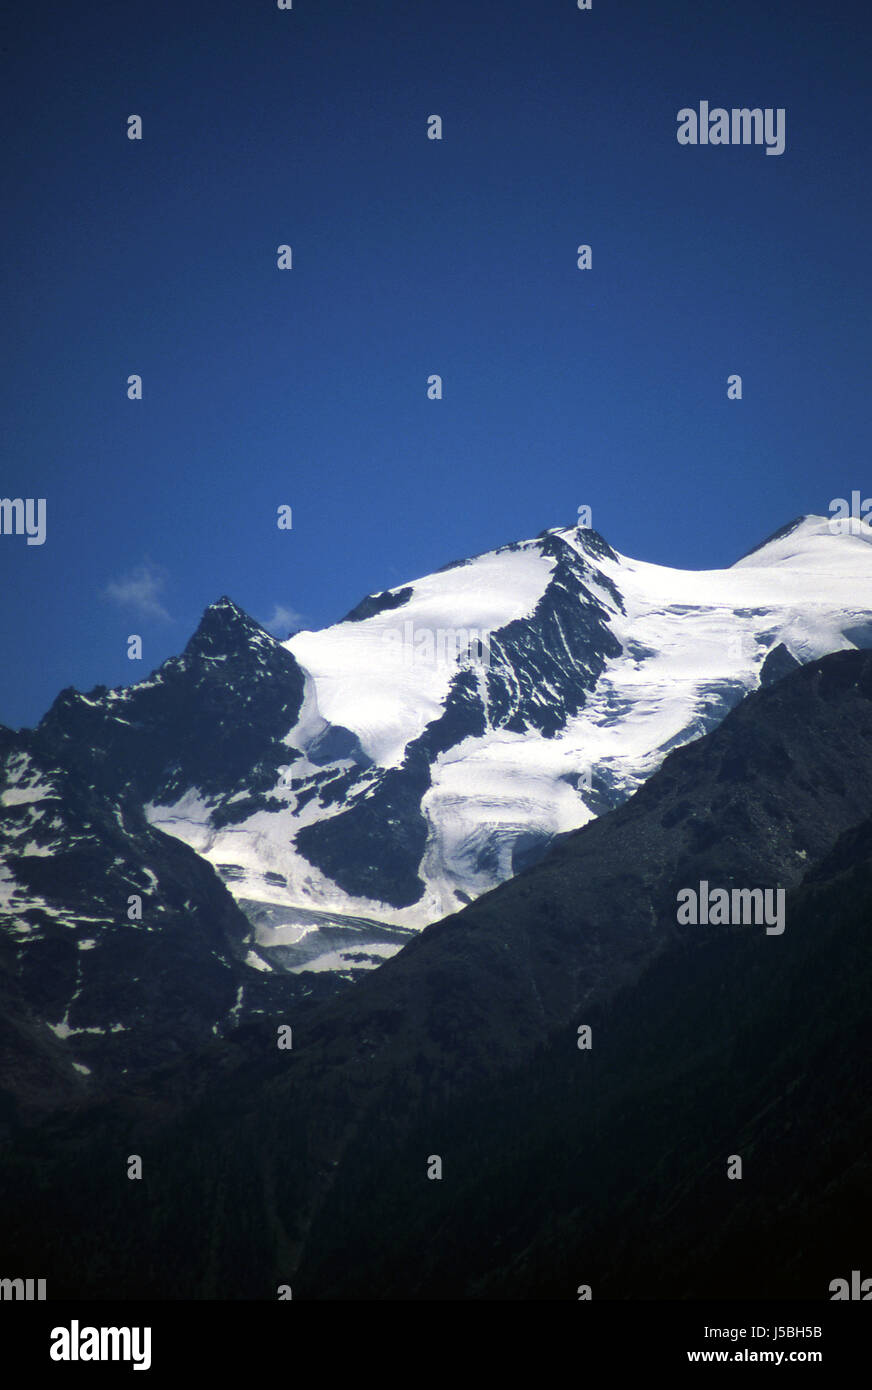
{"type": "Point", "coordinates": [139, 590]}
{"type": "Point", "coordinates": [283, 620]}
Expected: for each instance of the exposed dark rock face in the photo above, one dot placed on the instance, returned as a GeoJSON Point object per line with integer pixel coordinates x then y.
{"type": "Point", "coordinates": [778, 663]}
{"type": "Point", "coordinates": [116, 936]}
{"type": "Point", "coordinates": [378, 603]}
{"type": "Point", "coordinates": [212, 718]}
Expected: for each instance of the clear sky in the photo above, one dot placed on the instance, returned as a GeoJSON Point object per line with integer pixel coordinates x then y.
{"type": "Point", "coordinates": [411, 256]}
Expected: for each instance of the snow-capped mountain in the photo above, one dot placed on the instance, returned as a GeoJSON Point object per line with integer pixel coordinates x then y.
{"type": "Point", "coordinates": [258, 822]}
{"type": "Point", "coordinates": [449, 728]}
{"type": "Point", "coordinates": [353, 784]}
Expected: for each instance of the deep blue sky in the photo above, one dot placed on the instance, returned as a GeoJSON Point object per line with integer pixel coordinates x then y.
{"type": "Point", "coordinates": [411, 256]}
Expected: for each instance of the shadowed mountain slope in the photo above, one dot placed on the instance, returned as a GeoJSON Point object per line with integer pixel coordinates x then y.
{"type": "Point", "coordinates": [707, 1042]}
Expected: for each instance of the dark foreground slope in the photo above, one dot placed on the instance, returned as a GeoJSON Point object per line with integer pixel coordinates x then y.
{"type": "Point", "coordinates": [561, 1167]}
{"type": "Point", "coordinates": [608, 1167]}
